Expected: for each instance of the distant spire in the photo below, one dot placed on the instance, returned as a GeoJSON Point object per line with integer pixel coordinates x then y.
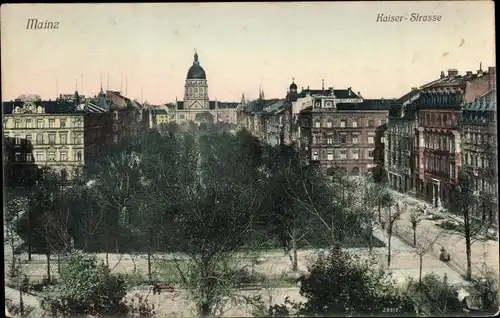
{"type": "Point", "coordinates": [76, 85]}
{"type": "Point", "coordinates": [101, 80]}
{"type": "Point", "coordinates": [480, 66]}
{"type": "Point", "coordinates": [323, 84]}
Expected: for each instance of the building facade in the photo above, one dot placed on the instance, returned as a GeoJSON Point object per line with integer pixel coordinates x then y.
{"type": "Point", "coordinates": [438, 142]}
{"type": "Point", "coordinates": [479, 156]}
{"type": "Point", "coordinates": [340, 129]}
{"type": "Point", "coordinates": [399, 163]}
{"type": "Point", "coordinates": [196, 105]}
{"type": "Point", "coordinates": [64, 134]}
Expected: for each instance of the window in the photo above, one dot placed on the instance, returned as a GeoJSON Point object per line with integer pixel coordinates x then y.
{"type": "Point", "coordinates": [28, 138]}
{"type": "Point", "coordinates": [28, 123]}
{"type": "Point", "coordinates": [343, 138]}
{"type": "Point", "coordinates": [330, 156]}
{"type": "Point", "coordinates": [370, 154]}
{"type": "Point", "coordinates": [355, 139]}
{"type": "Point", "coordinates": [64, 156]}
{"type": "Point", "coordinates": [39, 156]}
{"type": "Point", "coordinates": [63, 123]}
{"type": "Point", "coordinates": [52, 156]}
{"type": "Point", "coordinates": [39, 123]}
{"type": "Point", "coordinates": [39, 139]}
{"type": "Point", "coordinates": [52, 123]}
{"type": "Point", "coordinates": [79, 156]}
{"type": "Point", "coordinates": [329, 140]}
{"type": "Point", "coordinates": [116, 114]}
{"type": "Point", "coordinates": [17, 123]}
{"type": "Point", "coordinates": [343, 154]}
{"type": "Point", "coordinates": [355, 154]}
{"type": "Point", "coordinates": [317, 124]}
{"type": "Point", "coordinates": [370, 139]}
{"type": "Point", "coordinates": [342, 123]}
{"type": "Point", "coordinates": [115, 127]}
{"type": "Point", "coordinates": [355, 124]}
{"type": "Point", "coordinates": [17, 139]}
{"type": "Point", "coordinates": [382, 140]}
{"type": "Point", "coordinates": [370, 123]}
{"type": "Point", "coordinates": [329, 124]}
{"type": "Point", "coordinates": [64, 139]}
{"type": "Point", "coordinates": [17, 157]}
{"type": "Point", "coordinates": [52, 139]}
{"type": "Point", "coordinates": [115, 139]}
{"type": "Point", "coordinates": [315, 156]}
{"type": "Point", "coordinates": [29, 157]}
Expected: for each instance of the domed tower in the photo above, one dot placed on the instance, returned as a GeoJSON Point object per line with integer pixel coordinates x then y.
{"type": "Point", "coordinates": [196, 88]}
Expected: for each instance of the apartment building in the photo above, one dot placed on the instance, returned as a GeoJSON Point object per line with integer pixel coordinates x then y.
{"type": "Point", "coordinates": [64, 134]}
{"type": "Point", "coordinates": [479, 157]}
{"type": "Point", "coordinates": [340, 128]}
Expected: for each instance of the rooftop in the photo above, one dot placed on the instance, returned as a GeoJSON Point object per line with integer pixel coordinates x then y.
{"type": "Point", "coordinates": [485, 102]}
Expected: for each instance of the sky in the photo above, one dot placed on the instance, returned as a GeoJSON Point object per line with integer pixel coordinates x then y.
{"type": "Point", "coordinates": [147, 49]}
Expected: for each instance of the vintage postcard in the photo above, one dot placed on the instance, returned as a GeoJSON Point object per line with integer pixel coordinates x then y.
{"type": "Point", "coordinates": [250, 159]}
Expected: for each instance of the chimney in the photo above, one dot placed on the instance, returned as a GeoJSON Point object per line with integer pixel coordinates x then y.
{"type": "Point", "coordinates": [452, 72]}
{"type": "Point", "coordinates": [492, 73]}
{"type": "Point", "coordinates": [442, 75]}
{"type": "Point", "coordinates": [308, 87]}
{"type": "Point", "coordinates": [468, 73]}
{"type": "Point", "coordinates": [349, 91]}
{"type": "Point", "coordinates": [414, 88]}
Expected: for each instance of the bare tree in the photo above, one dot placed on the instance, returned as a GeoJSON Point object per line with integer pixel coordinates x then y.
{"type": "Point", "coordinates": [116, 182]}
{"type": "Point", "coordinates": [424, 244]}
{"type": "Point", "coordinates": [415, 221]}
{"type": "Point", "coordinates": [391, 219]}
{"type": "Point", "coordinates": [464, 203]}
{"type": "Point", "coordinates": [16, 205]}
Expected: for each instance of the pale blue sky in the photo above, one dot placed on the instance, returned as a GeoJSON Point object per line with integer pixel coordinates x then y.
{"type": "Point", "coordinates": [241, 46]}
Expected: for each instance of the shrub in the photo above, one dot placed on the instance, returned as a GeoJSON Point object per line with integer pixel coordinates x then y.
{"type": "Point", "coordinates": [486, 288]}
{"type": "Point", "coordinates": [85, 287]}
{"type": "Point", "coordinates": [343, 283]}
{"type": "Point", "coordinates": [434, 296]}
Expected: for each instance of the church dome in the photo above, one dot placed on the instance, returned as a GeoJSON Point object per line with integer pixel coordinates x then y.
{"type": "Point", "coordinates": [293, 86]}
{"type": "Point", "coordinates": [196, 71]}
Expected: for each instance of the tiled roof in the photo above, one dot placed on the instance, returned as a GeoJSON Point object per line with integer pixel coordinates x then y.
{"type": "Point", "coordinates": [275, 107]}
{"type": "Point", "coordinates": [439, 100]}
{"type": "Point", "coordinates": [485, 102]}
{"type": "Point", "coordinates": [160, 111]}
{"type": "Point", "coordinates": [51, 107]}
{"type": "Point", "coordinates": [339, 93]}
{"type": "Point", "coordinates": [227, 104]}
{"type": "Point", "coordinates": [367, 104]}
